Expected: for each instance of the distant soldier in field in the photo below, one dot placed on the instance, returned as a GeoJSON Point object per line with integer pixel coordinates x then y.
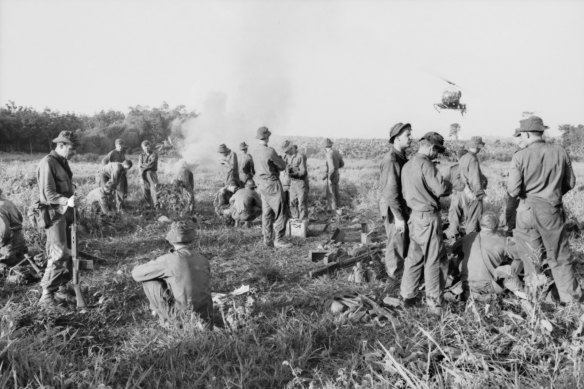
{"type": "Point", "coordinates": [230, 166]}
{"type": "Point", "coordinates": [268, 166]}
{"type": "Point", "coordinates": [56, 191]}
{"type": "Point", "coordinates": [334, 162]}
{"type": "Point", "coordinates": [247, 166]}
{"type": "Point", "coordinates": [110, 177]}
{"type": "Point", "coordinates": [540, 175]}
{"type": "Point", "coordinates": [179, 280]}
{"type": "Point", "coordinates": [246, 204]}
{"type": "Point", "coordinates": [457, 199]}
{"type": "Point", "coordinates": [422, 187]}
{"type": "Point", "coordinates": [475, 184]}
{"type": "Point", "coordinates": [185, 179]}
{"type": "Point", "coordinates": [118, 155]}
{"type": "Point", "coordinates": [12, 243]}
{"type": "Point", "coordinates": [221, 202]}
{"type": "Point", "coordinates": [489, 262]}
{"type": "Point", "coordinates": [148, 162]}
{"type": "Point", "coordinates": [392, 205]}
{"type": "Point", "coordinates": [297, 172]}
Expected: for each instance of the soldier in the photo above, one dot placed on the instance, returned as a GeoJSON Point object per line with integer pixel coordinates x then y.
{"type": "Point", "coordinates": [185, 179]}
{"type": "Point", "coordinates": [268, 167]}
{"type": "Point", "coordinates": [247, 167]}
{"type": "Point", "coordinates": [475, 184]}
{"type": "Point", "coordinates": [422, 187]}
{"type": "Point", "coordinates": [391, 201]}
{"type": "Point", "coordinates": [110, 177]}
{"type": "Point", "coordinates": [511, 203]}
{"type": "Point", "coordinates": [179, 280]}
{"type": "Point", "coordinates": [12, 243]}
{"type": "Point", "coordinates": [118, 155]}
{"type": "Point", "coordinates": [457, 199]}
{"type": "Point", "coordinates": [246, 204]}
{"type": "Point", "coordinates": [297, 172]}
{"type": "Point", "coordinates": [56, 191]}
{"type": "Point", "coordinates": [221, 202]}
{"type": "Point", "coordinates": [334, 162]}
{"type": "Point", "coordinates": [489, 263]}
{"type": "Point", "coordinates": [540, 174]}
{"type": "Point", "coordinates": [148, 167]}
{"type": "Point", "coordinates": [229, 161]}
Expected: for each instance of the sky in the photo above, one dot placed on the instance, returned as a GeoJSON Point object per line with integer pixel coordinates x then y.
{"type": "Point", "coordinates": [312, 68]}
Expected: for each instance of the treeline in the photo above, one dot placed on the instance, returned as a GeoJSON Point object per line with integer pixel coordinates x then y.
{"type": "Point", "coordinates": [25, 129]}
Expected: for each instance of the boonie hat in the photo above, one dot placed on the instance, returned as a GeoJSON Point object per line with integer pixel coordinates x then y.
{"type": "Point", "coordinates": [328, 143]}
{"type": "Point", "coordinates": [489, 221]}
{"type": "Point", "coordinates": [263, 133]}
{"type": "Point", "coordinates": [180, 232]}
{"type": "Point", "coordinates": [67, 137]}
{"type": "Point", "coordinates": [532, 124]}
{"type": "Point", "coordinates": [397, 129]}
{"type": "Point", "coordinates": [222, 148]}
{"type": "Point", "coordinates": [286, 145]}
{"type": "Point", "coordinates": [476, 140]}
{"type": "Point", "coordinates": [243, 146]}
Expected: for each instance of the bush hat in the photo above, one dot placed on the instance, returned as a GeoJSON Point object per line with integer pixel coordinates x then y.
{"type": "Point", "coordinates": [250, 183]}
{"type": "Point", "coordinates": [286, 145]}
{"type": "Point", "coordinates": [476, 141]}
{"type": "Point", "coordinates": [532, 124]}
{"type": "Point", "coordinates": [328, 143]}
{"type": "Point", "coordinates": [243, 146]}
{"type": "Point", "coordinates": [67, 137]}
{"type": "Point", "coordinates": [263, 133]}
{"type": "Point", "coordinates": [397, 129]}
{"type": "Point", "coordinates": [222, 148]}
{"type": "Point", "coordinates": [436, 140]}
{"type": "Point", "coordinates": [490, 221]}
{"type": "Point", "coordinates": [180, 232]}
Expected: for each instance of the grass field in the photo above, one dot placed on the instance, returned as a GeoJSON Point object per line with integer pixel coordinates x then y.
{"type": "Point", "coordinates": [286, 335]}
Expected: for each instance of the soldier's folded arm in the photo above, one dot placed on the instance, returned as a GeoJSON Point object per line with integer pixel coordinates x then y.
{"type": "Point", "coordinates": [47, 182]}
{"type": "Point", "coordinates": [150, 270]}
{"type": "Point", "coordinates": [435, 181]}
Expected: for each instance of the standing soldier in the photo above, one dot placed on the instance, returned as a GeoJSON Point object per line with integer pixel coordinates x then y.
{"type": "Point", "coordinates": [475, 184]}
{"type": "Point", "coordinates": [110, 178]}
{"type": "Point", "coordinates": [298, 174]}
{"type": "Point", "coordinates": [148, 167]}
{"type": "Point", "coordinates": [422, 188]}
{"type": "Point", "coordinates": [457, 199]}
{"type": "Point", "coordinates": [57, 192]}
{"type": "Point", "coordinates": [391, 201]}
{"type": "Point", "coordinates": [118, 155]}
{"type": "Point", "coordinates": [229, 161]}
{"type": "Point", "coordinates": [334, 162]}
{"type": "Point", "coordinates": [247, 167]}
{"type": "Point", "coordinates": [540, 174]}
{"type": "Point", "coordinates": [12, 243]}
{"type": "Point", "coordinates": [268, 167]}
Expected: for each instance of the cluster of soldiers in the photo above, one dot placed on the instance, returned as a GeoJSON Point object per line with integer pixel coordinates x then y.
{"type": "Point", "coordinates": [487, 261]}
{"type": "Point", "coordinates": [282, 182]}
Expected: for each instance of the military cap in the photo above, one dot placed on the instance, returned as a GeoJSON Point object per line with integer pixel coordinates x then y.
{"type": "Point", "coordinates": [67, 137]}
{"type": "Point", "coordinates": [263, 133]}
{"type": "Point", "coordinates": [476, 141]}
{"type": "Point", "coordinates": [120, 142]}
{"type": "Point", "coordinates": [286, 145]}
{"type": "Point", "coordinates": [489, 221]}
{"type": "Point", "coordinates": [532, 124]}
{"type": "Point", "coordinates": [436, 140]}
{"type": "Point", "coordinates": [397, 129]}
{"type": "Point", "coordinates": [222, 148]}
{"type": "Point", "coordinates": [250, 183]}
{"type": "Point", "coordinates": [180, 232]}
{"type": "Point", "coordinates": [328, 143]}
{"type": "Point", "coordinates": [243, 146]}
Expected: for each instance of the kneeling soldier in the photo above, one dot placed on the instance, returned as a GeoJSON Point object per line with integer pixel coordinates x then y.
{"type": "Point", "coordinates": [179, 280]}
{"type": "Point", "coordinates": [12, 243]}
{"type": "Point", "coordinates": [111, 177]}
{"type": "Point", "coordinates": [246, 203]}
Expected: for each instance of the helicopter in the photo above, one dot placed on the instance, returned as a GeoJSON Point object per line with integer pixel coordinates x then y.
{"type": "Point", "coordinates": [451, 99]}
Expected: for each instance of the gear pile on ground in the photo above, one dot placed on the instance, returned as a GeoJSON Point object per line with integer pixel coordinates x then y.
{"type": "Point", "coordinates": [358, 308]}
{"type": "Point", "coordinates": [236, 308]}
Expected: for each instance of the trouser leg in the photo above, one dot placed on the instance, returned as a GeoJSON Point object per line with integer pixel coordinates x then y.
{"type": "Point", "coordinates": [436, 267]}
{"type": "Point", "coordinates": [121, 192]}
{"type": "Point", "coordinates": [413, 264]}
{"type": "Point", "coordinates": [454, 214]}
{"type": "Point", "coordinates": [105, 201]}
{"type": "Point", "coordinates": [159, 297]}
{"type": "Point", "coordinates": [396, 249]}
{"type": "Point", "coordinates": [153, 180]}
{"type": "Point", "coordinates": [276, 203]}
{"type": "Point", "coordinates": [146, 194]}
{"type": "Point", "coordinates": [294, 201]}
{"type": "Point", "coordinates": [267, 220]}
{"type": "Point", "coordinates": [59, 266]}
{"type": "Point", "coordinates": [334, 192]}
{"type": "Point", "coordinates": [472, 215]}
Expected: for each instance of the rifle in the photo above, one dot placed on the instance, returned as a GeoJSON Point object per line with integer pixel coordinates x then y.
{"type": "Point", "coordinates": [74, 255]}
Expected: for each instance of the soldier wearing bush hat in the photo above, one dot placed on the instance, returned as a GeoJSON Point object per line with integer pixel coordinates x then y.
{"type": "Point", "coordinates": [246, 204]}
{"type": "Point", "coordinates": [148, 163]}
{"type": "Point", "coordinates": [179, 280]}
{"type": "Point", "coordinates": [422, 187]}
{"type": "Point", "coordinates": [230, 166]}
{"type": "Point", "coordinates": [247, 166]}
{"type": "Point", "coordinates": [56, 191]}
{"type": "Point", "coordinates": [297, 172]}
{"type": "Point", "coordinates": [392, 205]}
{"type": "Point", "coordinates": [118, 155]}
{"type": "Point", "coordinates": [334, 162]}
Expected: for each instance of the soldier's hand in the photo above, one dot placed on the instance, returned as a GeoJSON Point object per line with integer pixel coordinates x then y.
{"type": "Point", "coordinates": [71, 202]}
{"type": "Point", "coordinates": [400, 226]}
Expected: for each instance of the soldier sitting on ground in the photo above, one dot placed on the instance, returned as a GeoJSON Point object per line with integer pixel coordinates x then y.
{"type": "Point", "coordinates": [12, 243]}
{"type": "Point", "coordinates": [179, 280]}
{"type": "Point", "coordinates": [246, 204]}
{"type": "Point", "coordinates": [221, 202]}
{"type": "Point", "coordinates": [111, 177]}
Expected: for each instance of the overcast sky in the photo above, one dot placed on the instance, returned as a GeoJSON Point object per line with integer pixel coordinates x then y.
{"type": "Point", "coordinates": [340, 69]}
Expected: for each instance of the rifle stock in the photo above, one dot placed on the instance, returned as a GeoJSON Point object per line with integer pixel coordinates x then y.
{"type": "Point", "coordinates": [74, 255]}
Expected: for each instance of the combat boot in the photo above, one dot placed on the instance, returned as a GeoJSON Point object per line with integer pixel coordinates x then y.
{"type": "Point", "coordinates": [47, 302]}
{"type": "Point", "coordinates": [280, 244]}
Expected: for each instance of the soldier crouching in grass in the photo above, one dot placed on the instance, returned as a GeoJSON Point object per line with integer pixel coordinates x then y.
{"type": "Point", "coordinates": [177, 281]}
{"type": "Point", "coordinates": [246, 204]}
{"type": "Point", "coordinates": [12, 243]}
{"type": "Point", "coordinates": [111, 177]}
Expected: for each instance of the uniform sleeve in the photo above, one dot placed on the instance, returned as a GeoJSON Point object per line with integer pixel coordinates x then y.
{"type": "Point", "coordinates": [391, 192]}
{"type": "Point", "coordinates": [475, 178]}
{"type": "Point", "coordinates": [152, 163]}
{"type": "Point", "coordinates": [278, 161]}
{"type": "Point", "coordinates": [48, 186]}
{"type": "Point", "coordinates": [434, 180]}
{"type": "Point", "coordinates": [107, 158]}
{"type": "Point", "coordinates": [515, 181]}
{"type": "Point", "coordinates": [330, 164]}
{"type": "Point", "coordinates": [569, 180]}
{"type": "Point", "coordinates": [151, 270]}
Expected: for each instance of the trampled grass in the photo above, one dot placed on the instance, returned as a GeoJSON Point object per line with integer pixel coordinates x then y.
{"type": "Point", "coordinates": [288, 338]}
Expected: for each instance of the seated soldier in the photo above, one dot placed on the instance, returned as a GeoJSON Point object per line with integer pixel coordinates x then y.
{"type": "Point", "coordinates": [179, 280]}
{"type": "Point", "coordinates": [12, 243]}
{"type": "Point", "coordinates": [111, 176]}
{"type": "Point", "coordinates": [246, 204]}
{"type": "Point", "coordinates": [221, 202]}
{"type": "Point", "coordinates": [489, 263]}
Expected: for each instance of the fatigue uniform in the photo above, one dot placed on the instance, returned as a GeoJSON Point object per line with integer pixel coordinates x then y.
{"type": "Point", "coordinates": [422, 187]}
{"type": "Point", "coordinates": [393, 206]}
{"type": "Point", "coordinates": [12, 243]}
{"type": "Point", "coordinates": [457, 201]}
{"type": "Point", "coordinates": [334, 162]}
{"type": "Point", "coordinates": [180, 280]}
{"type": "Point", "coordinates": [110, 177]}
{"type": "Point", "coordinates": [268, 164]}
{"type": "Point", "coordinates": [540, 175]}
{"type": "Point", "coordinates": [475, 182]}
{"type": "Point", "coordinates": [54, 178]}
{"type": "Point", "coordinates": [231, 169]}
{"type": "Point", "coordinates": [186, 179]}
{"type": "Point", "coordinates": [286, 181]}
{"type": "Point", "coordinates": [148, 168]}
{"type": "Point", "coordinates": [246, 205]}
{"type": "Point", "coordinates": [489, 264]}
{"type": "Point", "coordinates": [221, 202]}
{"type": "Point", "coordinates": [247, 168]}
{"type": "Point", "coordinates": [298, 174]}
{"type": "Point", "coordinates": [122, 188]}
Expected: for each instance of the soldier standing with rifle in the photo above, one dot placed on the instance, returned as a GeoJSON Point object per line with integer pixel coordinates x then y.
{"type": "Point", "coordinates": [56, 191]}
